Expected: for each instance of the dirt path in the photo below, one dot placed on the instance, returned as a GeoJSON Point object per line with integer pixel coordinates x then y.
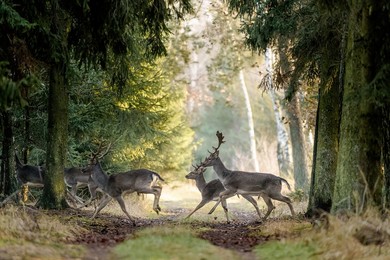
{"type": "Point", "coordinates": [109, 230]}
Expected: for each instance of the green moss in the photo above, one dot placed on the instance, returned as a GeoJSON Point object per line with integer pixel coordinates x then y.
{"type": "Point", "coordinates": [290, 251]}
{"type": "Point", "coordinates": [169, 243]}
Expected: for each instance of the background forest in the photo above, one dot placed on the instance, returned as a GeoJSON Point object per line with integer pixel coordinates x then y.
{"type": "Point", "coordinates": [289, 84]}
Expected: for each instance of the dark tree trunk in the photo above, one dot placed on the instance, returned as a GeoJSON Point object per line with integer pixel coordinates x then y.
{"type": "Point", "coordinates": [324, 168]}
{"type": "Point", "coordinates": [327, 125]}
{"type": "Point", "coordinates": [26, 144]}
{"type": "Point", "coordinates": [298, 144]}
{"type": "Point", "coordinates": [311, 207]}
{"type": "Point", "coordinates": [358, 179]}
{"type": "Point", "coordinates": [7, 163]}
{"type": "Point", "coordinates": [386, 156]}
{"type": "Point", "coordinates": [54, 188]}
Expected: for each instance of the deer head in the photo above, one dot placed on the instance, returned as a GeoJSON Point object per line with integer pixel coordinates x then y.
{"type": "Point", "coordinates": [208, 161]}
{"type": "Point", "coordinates": [198, 170]}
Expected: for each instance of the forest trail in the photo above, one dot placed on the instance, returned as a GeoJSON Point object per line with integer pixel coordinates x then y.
{"type": "Point", "coordinates": [110, 229]}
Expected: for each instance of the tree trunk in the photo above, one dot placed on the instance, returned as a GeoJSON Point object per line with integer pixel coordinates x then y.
{"type": "Point", "coordinates": [293, 113]}
{"type": "Point", "coordinates": [250, 122]}
{"type": "Point", "coordinates": [298, 144]}
{"type": "Point", "coordinates": [282, 136]}
{"type": "Point", "coordinates": [386, 156]}
{"type": "Point", "coordinates": [54, 188]}
{"type": "Point", "coordinates": [327, 127]}
{"type": "Point", "coordinates": [324, 171]}
{"type": "Point", "coordinates": [358, 177]}
{"type": "Point", "coordinates": [283, 151]}
{"type": "Point", "coordinates": [7, 162]}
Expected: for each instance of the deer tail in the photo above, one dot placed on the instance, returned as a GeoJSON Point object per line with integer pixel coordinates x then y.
{"type": "Point", "coordinates": [159, 177]}
{"type": "Point", "coordinates": [288, 185]}
{"type": "Point", "coordinates": [156, 177]}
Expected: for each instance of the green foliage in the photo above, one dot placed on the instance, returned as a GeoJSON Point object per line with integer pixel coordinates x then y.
{"type": "Point", "coordinates": [144, 121]}
{"type": "Point", "coordinates": [10, 90]}
{"type": "Point", "coordinates": [145, 125]}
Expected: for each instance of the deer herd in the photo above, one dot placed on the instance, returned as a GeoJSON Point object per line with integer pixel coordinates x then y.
{"type": "Point", "coordinates": [144, 181]}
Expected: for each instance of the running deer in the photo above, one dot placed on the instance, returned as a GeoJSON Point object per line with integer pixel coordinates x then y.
{"type": "Point", "coordinates": [267, 185]}
{"type": "Point", "coordinates": [29, 175]}
{"type": "Point", "coordinates": [210, 191]}
{"type": "Point", "coordinates": [33, 176]}
{"type": "Point", "coordinates": [141, 181]}
{"type": "Point", "coordinates": [76, 178]}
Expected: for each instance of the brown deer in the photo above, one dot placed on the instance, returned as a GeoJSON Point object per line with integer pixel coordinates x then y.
{"type": "Point", "coordinates": [210, 191]}
{"type": "Point", "coordinates": [266, 185]}
{"type": "Point", "coordinates": [76, 178]}
{"type": "Point", "coordinates": [29, 175]}
{"type": "Point", "coordinates": [33, 176]}
{"type": "Point", "coordinates": [114, 186]}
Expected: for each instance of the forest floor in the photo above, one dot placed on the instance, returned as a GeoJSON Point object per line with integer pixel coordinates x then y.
{"type": "Point", "coordinates": [29, 233]}
{"type": "Point", "coordinates": [237, 235]}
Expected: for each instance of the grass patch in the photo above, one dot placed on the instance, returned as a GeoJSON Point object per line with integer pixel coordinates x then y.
{"type": "Point", "coordinates": [284, 251]}
{"type": "Point", "coordinates": [27, 233]}
{"type": "Point", "coordinates": [346, 237]}
{"type": "Point", "coordinates": [169, 242]}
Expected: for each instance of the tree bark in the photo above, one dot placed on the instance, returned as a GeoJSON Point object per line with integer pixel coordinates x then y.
{"type": "Point", "coordinates": [324, 171]}
{"type": "Point", "coordinates": [54, 188]}
{"type": "Point", "coordinates": [358, 178]}
{"type": "Point", "coordinates": [7, 163]}
{"type": "Point", "coordinates": [327, 126]}
{"type": "Point", "coordinates": [386, 156]}
{"type": "Point", "coordinates": [298, 144]}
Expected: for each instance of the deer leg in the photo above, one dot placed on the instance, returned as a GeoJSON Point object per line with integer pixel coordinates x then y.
{"type": "Point", "coordinates": [214, 207]}
{"type": "Point", "coordinates": [201, 204]}
{"type": "Point", "coordinates": [92, 191]}
{"type": "Point", "coordinates": [285, 199]}
{"type": "Point", "coordinates": [73, 193]}
{"type": "Point", "coordinates": [123, 207]}
{"type": "Point", "coordinates": [157, 194]}
{"type": "Point", "coordinates": [224, 206]}
{"type": "Point", "coordinates": [156, 191]}
{"type": "Point", "coordinates": [222, 197]}
{"type": "Point", "coordinates": [102, 204]}
{"type": "Point", "coordinates": [270, 206]}
{"type": "Point", "coordinates": [253, 202]}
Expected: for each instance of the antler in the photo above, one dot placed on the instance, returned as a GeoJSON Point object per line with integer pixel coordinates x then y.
{"type": "Point", "coordinates": [198, 167]}
{"type": "Point", "coordinates": [95, 156]}
{"type": "Point", "coordinates": [220, 140]}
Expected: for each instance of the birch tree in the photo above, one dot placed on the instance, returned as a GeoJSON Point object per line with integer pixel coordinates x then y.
{"type": "Point", "coordinates": [283, 152]}
{"type": "Point", "coordinates": [251, 129]}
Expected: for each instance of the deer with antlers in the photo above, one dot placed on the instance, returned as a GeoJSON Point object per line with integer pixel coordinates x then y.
{"type": "Point", "coordinates": [116, 185]}
{"type": "Point", "coordinates": [266, 185]}
{"type": "Point", "coordinates": [210, 191]}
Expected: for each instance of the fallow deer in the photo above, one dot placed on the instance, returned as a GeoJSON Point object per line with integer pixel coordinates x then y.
{"type": "Point", "coordinates": [266, 185]}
